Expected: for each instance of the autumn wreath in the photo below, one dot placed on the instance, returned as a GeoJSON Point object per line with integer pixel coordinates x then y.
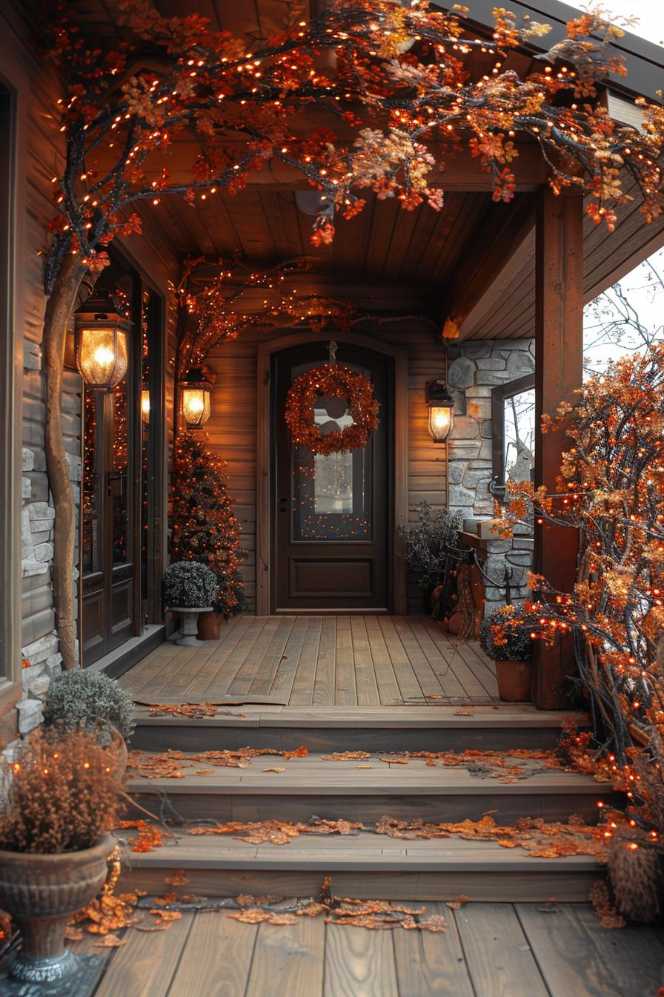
{"type": "Point", "coordinates": [338, 381]}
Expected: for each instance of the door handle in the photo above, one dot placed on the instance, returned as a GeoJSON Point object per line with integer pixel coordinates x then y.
{"type": "Point", "coordinates": [284, 504]}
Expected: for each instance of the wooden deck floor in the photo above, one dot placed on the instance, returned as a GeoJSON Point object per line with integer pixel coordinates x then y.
{"type": "Point", "coordinates": [522, 950]}
{"type": "Point", "coordinates": [321, 661]}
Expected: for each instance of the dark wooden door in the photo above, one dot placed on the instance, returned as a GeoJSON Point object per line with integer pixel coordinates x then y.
{"type": "Point", "coordinates": [109, 590]}
{"type": "Point", "coordinates": [331, 514]}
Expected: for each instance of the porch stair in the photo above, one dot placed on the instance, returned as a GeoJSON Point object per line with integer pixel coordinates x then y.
{"type": "Point", "coordinates": [365, 864]}
{"type": "Point", "coordinates": [378, 728]}
{"type": "Point", "coordinates": [365, 790]}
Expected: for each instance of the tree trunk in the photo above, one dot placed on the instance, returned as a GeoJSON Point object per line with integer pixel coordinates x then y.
{"type": "Point", "coordinates": [59, 309]}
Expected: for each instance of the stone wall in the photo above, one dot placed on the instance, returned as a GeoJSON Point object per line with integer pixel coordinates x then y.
{"type": "Point", "coordinates": [474, 369]}
{"type": "Point", "coordinates": [41, 657]}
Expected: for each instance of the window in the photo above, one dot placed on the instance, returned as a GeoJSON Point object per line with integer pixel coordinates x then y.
{"type": "Point", "coordinates": [513, 416]}
{"type": "Point", "coordinates": [9, 555]}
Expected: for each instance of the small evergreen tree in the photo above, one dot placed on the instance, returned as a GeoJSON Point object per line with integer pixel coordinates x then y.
{"type": "Point", "coordinates": [204, 527]}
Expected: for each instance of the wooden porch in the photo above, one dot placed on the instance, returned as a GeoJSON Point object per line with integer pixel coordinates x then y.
{"type": "Point", "coordinates": [323, 661]}
{"type": "Point", "coordinates": [520, 950]}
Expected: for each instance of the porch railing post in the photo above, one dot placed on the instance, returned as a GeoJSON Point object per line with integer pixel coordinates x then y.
{"type": "Point", "coordinates": [558, 372]}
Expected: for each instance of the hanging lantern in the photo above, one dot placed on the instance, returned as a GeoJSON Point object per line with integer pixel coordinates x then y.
{"type": "Point", "coordinates": [101, 343]}
{"type": "Point", "coordinates": [145, 405]}
{"type": "Point", "coordinates": [196, 393]}
{"type": "Point", "coordinates": [441, 410]}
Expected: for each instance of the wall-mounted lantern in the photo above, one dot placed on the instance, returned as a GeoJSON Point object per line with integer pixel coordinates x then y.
{"type": "Point", "coordinates": [441, 410]}
{"type": "Point", "coordinates": [101, 343]}
{"type": "Point", "coordinates": [196, 393]}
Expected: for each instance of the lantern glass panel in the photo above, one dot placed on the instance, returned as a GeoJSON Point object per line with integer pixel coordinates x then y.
{"type": "Point", "coordinates": [196, 406]}
{"type": "Point", "coordinates": [102, 355]}
{"type": "Point", "coordinates": [440, 422]}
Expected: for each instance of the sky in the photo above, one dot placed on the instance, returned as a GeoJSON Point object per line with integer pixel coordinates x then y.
{"type": "Point", "coordinates": [649, 12]}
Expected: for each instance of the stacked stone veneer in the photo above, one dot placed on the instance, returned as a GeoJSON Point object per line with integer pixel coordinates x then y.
{"type": "Point", "coordinates": [37, 522]}
{"type": "Point", "coordinates": [474, 369]}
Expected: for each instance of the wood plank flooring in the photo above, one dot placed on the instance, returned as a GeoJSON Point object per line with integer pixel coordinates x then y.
{"type": "Point", "coordinates": [489, 949]}
{"type": "Point", "coordinates": [338, 661]}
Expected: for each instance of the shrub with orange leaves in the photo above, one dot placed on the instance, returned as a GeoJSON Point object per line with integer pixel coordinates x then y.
{"type": "Point", "coordinates": [62, 794]}
{"type": "Point", "coordinates": [611, 490]}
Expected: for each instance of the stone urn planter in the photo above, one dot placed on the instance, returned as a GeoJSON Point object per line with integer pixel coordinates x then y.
{"type": "Point", "coordinates": [209, 625]}
{"type": "Point", "coordinates": [41, 892]}
{"type": "Point", "coordinates": [189, 624]}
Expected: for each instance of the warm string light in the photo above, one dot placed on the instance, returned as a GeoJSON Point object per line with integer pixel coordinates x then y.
{"type": "Point", "coordinates": [419, 62]}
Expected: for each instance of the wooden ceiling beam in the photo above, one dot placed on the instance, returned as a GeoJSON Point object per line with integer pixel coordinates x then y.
{"type": "Point", "coordinates": [494, 253]}
{"type": "Point", "coordinates": [462, 172]}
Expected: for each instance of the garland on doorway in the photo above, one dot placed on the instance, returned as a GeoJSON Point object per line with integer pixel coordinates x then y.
{"type": "Point", "coordinates": [338, 381]}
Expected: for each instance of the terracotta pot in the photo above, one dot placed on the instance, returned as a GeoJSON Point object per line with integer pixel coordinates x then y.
{"type": "Point", "coordinates": [209, 625]}
{"type": "Point", "coordinates": [513, 681]}
{"type": "Point", "coordinates": [41, 892]}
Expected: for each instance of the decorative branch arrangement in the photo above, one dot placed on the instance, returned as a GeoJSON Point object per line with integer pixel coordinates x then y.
{"type": "Point", "coordinates": [372, 96]}
{"type": "Point", "coordinates": [611, 490]}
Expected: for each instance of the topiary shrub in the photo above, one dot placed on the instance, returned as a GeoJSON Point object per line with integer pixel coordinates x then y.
{"type": "Point", "coordinates": [79, 700]}
{"type": "Point", "coordinates": [189, 585]}
{"type": "Point", "coordinates": [505, 635]}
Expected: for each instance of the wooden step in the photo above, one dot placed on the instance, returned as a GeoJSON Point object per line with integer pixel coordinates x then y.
{"type": "Point", "coordinates": [380, 728]}
{"type": "Point", "coordinates": [364, 865]}
{"type": "Point", "coordinates": [365, 791]}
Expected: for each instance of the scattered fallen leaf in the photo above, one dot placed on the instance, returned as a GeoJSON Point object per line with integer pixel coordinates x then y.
{"type": "Point", "coordinates": [275, 768]}
{"type": "Point", "coordinates": [435, 923]}
{"type": "Point", "coordinates": [177, 878]}
{"type": "Point", "coordinates": [166, 916]}
{"type": "Point", "coordinates": [194, 711]}
{"type": "Point", "coordinates": [300, 752]}
{"type": "Point", "coordinates": [345, 756]}
{"type": "Point", "coordinates": [149, 836]}
{"type": "Point", "coordinates": [458, 902]}
{"type": "Point", "coordinates": [277, 832]}
{"type": "Point", "coordinates": [111, 942]}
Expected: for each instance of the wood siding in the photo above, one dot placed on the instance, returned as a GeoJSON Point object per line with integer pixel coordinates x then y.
{"type": "Point", "coordinates": [38, 159]}
{"type": "Point", "coordinates": [232, 427]}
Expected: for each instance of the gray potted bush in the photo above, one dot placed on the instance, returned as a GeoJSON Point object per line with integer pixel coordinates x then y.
{"type": "Point", "coordinates": [189, 589]}
{"type": "Point", "coordinates": [505, 637]}
{"type": "Point", "coordinates": [79, 700]}
{"type": "Point", "coordinates": [60, 803]}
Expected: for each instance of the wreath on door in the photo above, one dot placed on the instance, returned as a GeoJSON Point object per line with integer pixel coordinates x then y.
{"type": "Point", "coordinates": [333, 380]}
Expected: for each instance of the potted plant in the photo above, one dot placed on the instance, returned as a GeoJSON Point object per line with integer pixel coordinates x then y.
{"type": "Point", "coordinates": [429, 543]}
{"type": "Point", "coordinates": [229, 601]}
{"type": "Point", "coordinates": [60, 801]}
{"type": "Point", "coordinates": [190, 588]}
{"type": "Point", "coordinates": [79, 700]}
{"type": "Point", "coordinates": [505, 637]}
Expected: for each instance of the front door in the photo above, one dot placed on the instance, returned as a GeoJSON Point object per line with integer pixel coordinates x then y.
{"type": "Point", "coordinates": [331, 514]}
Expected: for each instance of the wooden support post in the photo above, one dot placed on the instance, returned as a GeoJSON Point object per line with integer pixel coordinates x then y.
{"type": "Point", "coordinates": [558, 372]}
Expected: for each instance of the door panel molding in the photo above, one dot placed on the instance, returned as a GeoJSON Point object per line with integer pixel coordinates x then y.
{"type": "Point", "coordinates": [265, 441]}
